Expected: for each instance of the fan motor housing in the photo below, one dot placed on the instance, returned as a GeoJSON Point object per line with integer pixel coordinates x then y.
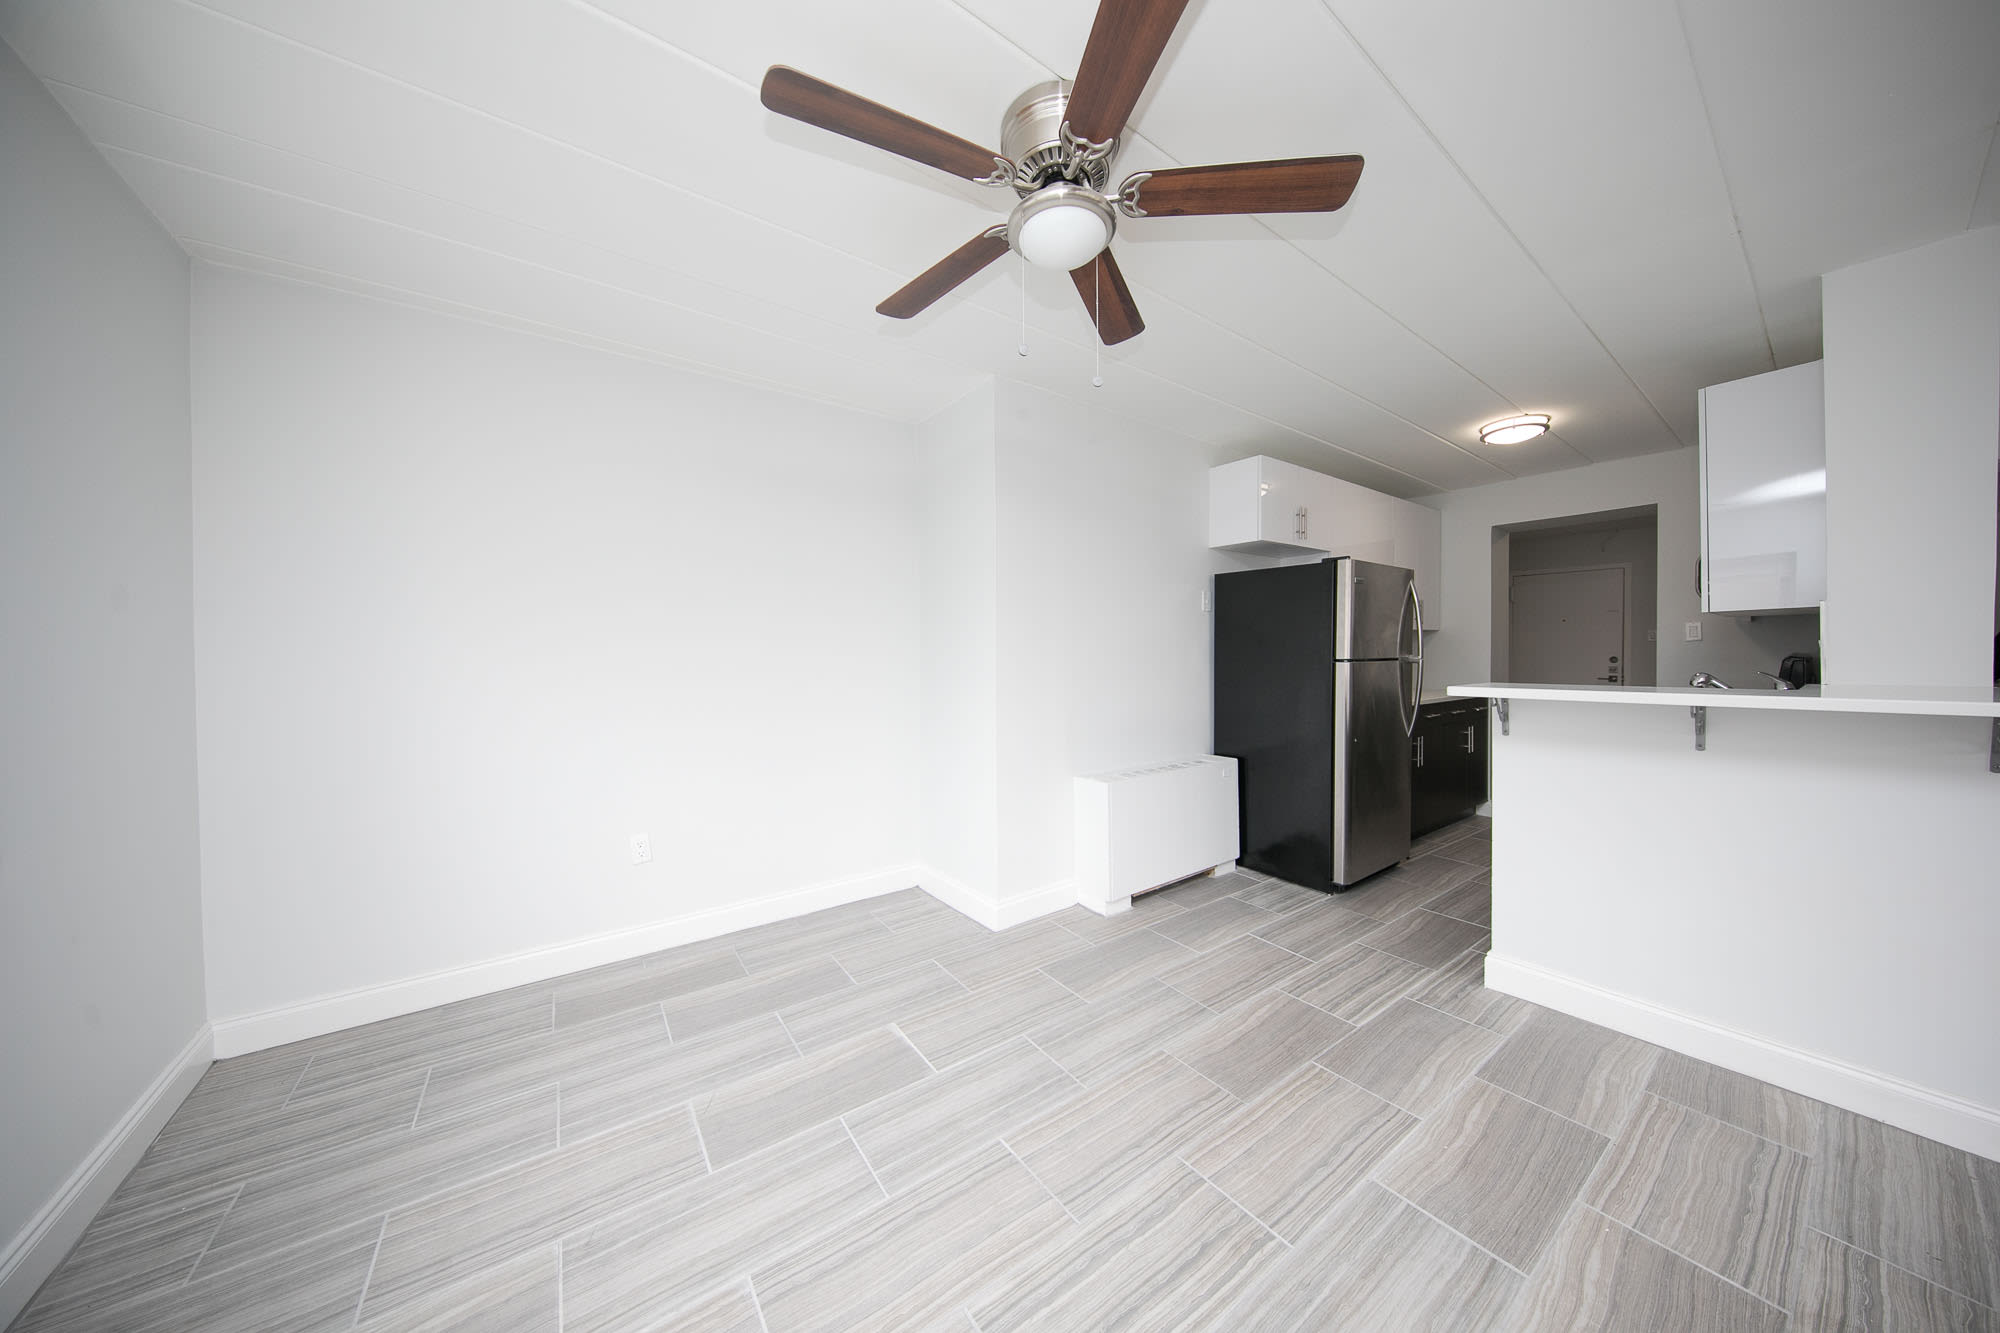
{"type": "Point", "coordinates": [1031, 137]}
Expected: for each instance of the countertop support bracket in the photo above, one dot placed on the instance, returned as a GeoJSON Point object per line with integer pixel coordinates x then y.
{"type": "Point", "coordinates": [1700, 716]}
{"type": "Point", "coordinates": [1500, 706]}
{"type": "Point", "coordinates": [1993, 750]}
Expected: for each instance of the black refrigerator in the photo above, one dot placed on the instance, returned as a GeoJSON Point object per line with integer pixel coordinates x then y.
{"type": "Point", "coordinates": [1318, 673]}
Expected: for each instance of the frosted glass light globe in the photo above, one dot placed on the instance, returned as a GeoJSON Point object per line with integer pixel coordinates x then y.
{"type": "Point", "coordinates": [1061, 226]}
{"type": "Point", "coordinates": [1065, 237]}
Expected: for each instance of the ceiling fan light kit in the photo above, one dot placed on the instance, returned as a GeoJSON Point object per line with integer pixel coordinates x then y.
{"type": "Point", "coordinates": [1061, 226]}
{"type": "Point", "coordinates": [1516, 429]}
{"type": "Point", "coordinates": [1058, 139]}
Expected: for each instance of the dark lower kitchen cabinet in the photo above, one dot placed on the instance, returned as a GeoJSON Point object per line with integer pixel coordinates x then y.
{"type": "Point", "coordinates": [1447, 763]}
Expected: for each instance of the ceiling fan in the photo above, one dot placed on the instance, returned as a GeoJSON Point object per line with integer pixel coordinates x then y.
{"type": "Point", "coordinates": [1058, 139]}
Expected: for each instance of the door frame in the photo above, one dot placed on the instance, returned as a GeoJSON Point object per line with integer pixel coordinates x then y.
{"type": "Point", "coordinates": [1624, 568]}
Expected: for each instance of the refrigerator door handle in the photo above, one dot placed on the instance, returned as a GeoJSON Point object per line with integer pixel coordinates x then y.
{"type": "Point", "coordinates": [1416, 698]}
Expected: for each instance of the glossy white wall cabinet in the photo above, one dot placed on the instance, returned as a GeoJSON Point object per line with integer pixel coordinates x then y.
{"type": "Point", "coordinates": [1763, 492]}
{"type": "Point", "coordinates": [1264, 506]}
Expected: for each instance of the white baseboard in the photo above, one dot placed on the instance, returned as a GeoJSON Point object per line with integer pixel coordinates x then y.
{"type": "Point", "coordinates": [996, 915]}
{"type": "Point", "coordinates": [370, 1004]}
{"type": "Point", "coordinates": [50, 1234]}
{"type": "Point", "coordinates": [1038, 902]}
{"type": "Point", "coordinates": [1925, 1111]}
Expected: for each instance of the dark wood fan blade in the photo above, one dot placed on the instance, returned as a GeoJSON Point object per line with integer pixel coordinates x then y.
{"type": "Point", "coordinates": [944, 275]}
{"type": "Point", "coordinates": [1101, 285]}
{"type": "Point", "coordinates": [1290, 185]}
{"type": "Point", "coordinates": [802, 97]}
{"type": "Point", "coordinates": [1125, 43]}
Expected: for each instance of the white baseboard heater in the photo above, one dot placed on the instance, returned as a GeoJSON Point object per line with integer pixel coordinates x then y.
{"type": "Point", "coordinates": [1140, 828]}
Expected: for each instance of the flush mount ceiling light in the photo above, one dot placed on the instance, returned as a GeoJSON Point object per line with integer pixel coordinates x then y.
{"type": "Point", "coordinates": [1061, 226]}
{"type": "Point", "coordinates": [1515, 430]}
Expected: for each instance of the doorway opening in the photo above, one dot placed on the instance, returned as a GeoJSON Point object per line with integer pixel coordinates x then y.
{"type": "Point", "coordinates": [1575, 599]}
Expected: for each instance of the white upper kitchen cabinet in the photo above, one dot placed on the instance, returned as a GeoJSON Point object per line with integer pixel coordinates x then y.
{"type": "Point", "coordinates": [1763, 492]}
{"type": "Point", "coordinates": [1264, 506]}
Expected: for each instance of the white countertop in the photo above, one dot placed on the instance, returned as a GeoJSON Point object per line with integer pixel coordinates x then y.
{"type": "Point", "coordinates": [1914, 699]}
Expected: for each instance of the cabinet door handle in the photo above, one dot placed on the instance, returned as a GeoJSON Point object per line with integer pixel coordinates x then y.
{"type": "Point", "coordinates": [1417, 752]}
{"type": "Point", "coordinates": [1470, 732]}
{"type": "Point", "coordinates": [1299, 530]}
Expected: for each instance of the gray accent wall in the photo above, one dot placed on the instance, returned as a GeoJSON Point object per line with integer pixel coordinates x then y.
{"type": "Point", "coordinates": [101, 974]}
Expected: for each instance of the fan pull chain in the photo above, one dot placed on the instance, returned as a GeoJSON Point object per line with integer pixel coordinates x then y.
{"type": "Point", "coordinates": [1097, 299]}
{"type": "Point", "coordinates": [1023, 348]}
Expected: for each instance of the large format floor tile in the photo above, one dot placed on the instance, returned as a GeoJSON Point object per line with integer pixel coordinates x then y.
{"type": "Point", "coordinates": [1496, 1169]}
{"type": "Point", "coordinates": [636, 1269]}
{"type": "Point", "coordinates": [427, 1245]}
{"type": "Point", "coordinates": [1102, 1143]}
{"type": "Point", "coordinates": [913, 1260]}
{"type": "Point", "coordinates": [1713, 1193]}
{"type": "Point", "coordinates": [1375, 1262]}
{"type": "Point", "coordinates": [1129, 958]}
{"type": "Point", "coordinates": [1233, 972]}
{"type": "Point", "coordinates": [1289, 1156]}
{"type": "Point", "coordinates": [748, 1116]}
{"type": "Point", "coordinates": [1173, 1262]}
{"type": "Point", "coordinates": [1411, 1055]}
{"type": "Point", "coordinates": [1737, 1099]}
{"type": "Point", "coordinates": [1256, 1044]}
{"type": "Point", "coordinates": [1119, 1030]}
{"type": "Point", "coordinates": [1920, 1205]}
{"type": "Point", "coordinates": [1356, 983]}
{"type": "Point", "coordinates": [937, 1122]}
{"type": "Point", "coordinates": [885, 1116]}
{"type": "Point", "coordinates": [1600, 1275]}
{"type": "Point", "coordinates": [1842, 1287]}
{"type": "Point", "coordinates": [1591, 1074]}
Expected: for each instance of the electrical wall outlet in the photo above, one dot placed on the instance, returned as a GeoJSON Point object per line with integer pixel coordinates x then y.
{"type": "Point", "coordinates": [1207, 600]}
{"type": "Point", "coordinates": [642, 849]}
{"type": "Point", "coordinates": [1694, 631]}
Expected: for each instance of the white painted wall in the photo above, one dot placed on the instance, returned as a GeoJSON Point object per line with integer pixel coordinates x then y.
{"type": "Point", "coordinates": [1730, 646]}
{"type": "Point", "coordinates": [1105, 657]}
{"type": "Point", "coordinates": [473, 606]}
{"type": "Point", "coordinates": [1065, 560]}
{"type": "Point", "coordinates": [1912, 446]}
{"type": "Point", "coordinates": [960, 664]}
{"type": "Point", "coordinates": [100, 925]}
{"type": "Point", "coordinates": [1813, 904]}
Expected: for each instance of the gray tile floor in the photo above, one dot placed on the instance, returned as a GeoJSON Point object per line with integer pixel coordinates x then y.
{"type": "Point", "coordinates": [1243, 1105]}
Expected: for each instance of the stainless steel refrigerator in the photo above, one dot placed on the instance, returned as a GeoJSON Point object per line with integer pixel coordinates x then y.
{"type": "Point", "coordinates": [1318, 672]}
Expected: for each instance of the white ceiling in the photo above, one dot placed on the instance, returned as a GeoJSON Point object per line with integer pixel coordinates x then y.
{"type": "Point", "coordinates": [1573, 206]}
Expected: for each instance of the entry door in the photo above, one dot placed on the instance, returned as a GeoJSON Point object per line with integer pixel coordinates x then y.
{"type": "Point", "coordinates": [1567, 627]}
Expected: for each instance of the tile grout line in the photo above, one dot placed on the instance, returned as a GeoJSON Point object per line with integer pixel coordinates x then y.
{"type": "Point", "coordinates": [196, 1265]}
{"type": "Point", "coordinates": [1373, 1179]}
{"type": "Point", "coordinates": [369, 1276]}
{"type": "Point", "coordinates": [700, 1140]}
{"type": "Point", "coordinates": [1198, 1074]}
{"type": "Point", "coordinates": [864, 1157]}
{"type": "Point", "coordinates": [1182, 1159]}
{"type": "Point", "coordinates": [1608, 1139]}
{"type": "Point", "coordinates": [1912, 1273]}
{"type": "Point", "coordinates": [1655, 1240]}
{"type": "Point", "coordinates": [757, 1304]}
{"type": "Point", "coordinates": [417, 1113]}
{"type": "Point", "coordinates": [298, 1081]}
{"type": "Point", "coordinates": [1002, 1141]}
{"type": "Point", "coordinates": [1051, 1059]}
{"type": "Point", "coordinates": [897, 1028]}
{"type": "Point", "coordinates": [786, 1028]}
{"type": "Point", "coordinates": [1709, 1115]}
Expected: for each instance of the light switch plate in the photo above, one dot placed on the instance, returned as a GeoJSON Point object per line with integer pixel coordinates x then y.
{"type": "Point", "coordinates": [1694, 631]}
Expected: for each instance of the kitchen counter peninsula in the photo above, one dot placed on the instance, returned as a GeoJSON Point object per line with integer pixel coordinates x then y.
{"type": "Point", "coordinates": [1809, 899]}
